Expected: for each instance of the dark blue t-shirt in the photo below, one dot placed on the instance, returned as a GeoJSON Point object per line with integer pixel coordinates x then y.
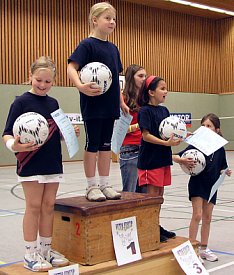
{"type": "Point", "coordinates": [95, 50]}
{"type": "Point", "coordinates": [201, 184]}
{"type": "Point", "coordinates": [153, 156]}
{"type": "Point", "coordinates": [48, 159]}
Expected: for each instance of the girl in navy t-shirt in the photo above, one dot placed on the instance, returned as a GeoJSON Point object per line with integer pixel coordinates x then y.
{"type": "Point", "coordinates": [99, 111]}
{"type": "Point", "coordinates": [155, 156]}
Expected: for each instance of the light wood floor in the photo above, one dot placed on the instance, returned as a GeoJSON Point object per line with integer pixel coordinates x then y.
{"type": "Point", "coordinates": [175, 213]}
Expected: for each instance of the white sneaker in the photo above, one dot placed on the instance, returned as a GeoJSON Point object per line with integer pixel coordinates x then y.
{"type": "Point", "coordinates": [35, 262]}
{"type": "Point", "coordinates": [110, 193]}
{"type": "Point", "coordinates": [94, 193]}
{"type": "Point", "coordinates": [208, 255]}
{"type": "Point", "coordinates": [56, 259]}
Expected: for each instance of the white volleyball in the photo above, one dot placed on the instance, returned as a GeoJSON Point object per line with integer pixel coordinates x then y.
{"type": "Point", "coordinates": [198, 157]}
{"type": "Point", "coordinates": [31, 127]}
{"type": "Point", "coordinates": [97, 72]}
{"type": "Point", "coordinates": [172, 125]}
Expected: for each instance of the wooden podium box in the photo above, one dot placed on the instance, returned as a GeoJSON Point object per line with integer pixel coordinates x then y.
{"type": "Point", "coordinates": [82, 229]}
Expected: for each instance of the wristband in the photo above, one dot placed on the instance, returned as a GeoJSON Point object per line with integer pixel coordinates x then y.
{"type": "Point", "coordinates": [9, 144]}
{"type": "Point", "coordinates": [130, 128]}
{"type": "Point", "coordinates": [137, 126]}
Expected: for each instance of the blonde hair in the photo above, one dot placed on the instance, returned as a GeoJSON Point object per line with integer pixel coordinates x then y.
{"type": "Point", "coordinates": [97, 10]}
{"type": "Point", "coordinates": [43, 62]}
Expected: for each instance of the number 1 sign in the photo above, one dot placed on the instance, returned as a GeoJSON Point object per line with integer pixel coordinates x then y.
{"type": "Point", "coordinates": [125, 238]}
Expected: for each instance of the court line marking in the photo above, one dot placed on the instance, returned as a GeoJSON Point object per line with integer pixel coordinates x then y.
{"type": "Point", "coordinates": [220, 267]}
{"type": "Point", "coordinates": [10, 213]}
{"type": "Point", "coordinates": [223, 252]}
{"type": "Point", "coordinates": [7, 264]}
{"type": "Point", "coordinates": [215, 209]}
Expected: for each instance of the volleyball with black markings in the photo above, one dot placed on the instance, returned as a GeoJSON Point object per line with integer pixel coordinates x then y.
{"type": "Point", "coordinates": [172, 125]}
{"type": "Point", "coordinates": [31, 127]}
{"type": "Point", "coordinates": [99, 73]}
{"type": "Point", "coordinates": [198, 158]}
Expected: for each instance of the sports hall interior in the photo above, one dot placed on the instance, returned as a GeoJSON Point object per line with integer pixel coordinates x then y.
{"type": "Point", "coordinates": [192, 49]}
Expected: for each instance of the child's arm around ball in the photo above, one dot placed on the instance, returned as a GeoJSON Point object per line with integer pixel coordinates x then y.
{"type": "Point", "coordinates": [14, 144]}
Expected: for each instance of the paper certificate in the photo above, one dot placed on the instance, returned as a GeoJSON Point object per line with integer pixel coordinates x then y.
{"type": "Point", "coordinates": [188, 260]}
{"type": "Point", "coordinates": [217, 184]}
{"type": "Point", "coordinates": [206, 140]}
{"type": "Point", "coordinates": [67, 131]}
{"type": "Point", "coordinates": [125, 238]}
{"type": "Point", "coordinates": [120, 131]}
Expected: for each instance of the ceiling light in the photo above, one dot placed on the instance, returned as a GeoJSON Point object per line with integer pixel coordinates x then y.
{"type": "Point", "coordinates": [200, 6]}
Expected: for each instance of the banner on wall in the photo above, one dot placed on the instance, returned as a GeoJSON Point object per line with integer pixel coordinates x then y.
{"type": "Point", "coordinates": [75, 118]}
{"type": "Point", "coordinates": [187, 117]}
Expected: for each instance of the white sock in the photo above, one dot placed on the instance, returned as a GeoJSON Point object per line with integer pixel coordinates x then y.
{"type": "Point", "coordinates": [104, 180]}
{"type": "Point", "coordinates": [45, 244]}
{"type": "Point", "coordinates": [30, 247]}
{"type": "Point", "coordinates": [91, 181]}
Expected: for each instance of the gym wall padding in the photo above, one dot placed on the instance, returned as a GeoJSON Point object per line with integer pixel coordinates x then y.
{"type": "Point", "coordinates": [195, 103]}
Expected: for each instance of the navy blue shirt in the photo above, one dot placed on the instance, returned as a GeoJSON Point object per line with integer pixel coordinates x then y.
{"type": "Point", "coordinates": [201, 184]}
{"type": "Point", "coordinates": [153, 156]}
{"type": "Point", "coordinates": [106, 105]}
{"type": "Point", "coordinates": [48, 159]}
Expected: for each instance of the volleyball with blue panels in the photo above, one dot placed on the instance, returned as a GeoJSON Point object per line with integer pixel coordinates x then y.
{"type": "Point", "coordinates": [31, 127]}
{"type": "Point", "coordinates": [97, 72]}
{"type": "Point", "coordinates": [198, 158]}
{"type": "Point", "coordinates": [172, 125]}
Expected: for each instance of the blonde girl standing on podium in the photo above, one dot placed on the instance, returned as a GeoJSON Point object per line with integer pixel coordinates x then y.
{"type": "Point", "coordinates": [39, 169]}
{"type": "Point", "coordinates": [98, 111]}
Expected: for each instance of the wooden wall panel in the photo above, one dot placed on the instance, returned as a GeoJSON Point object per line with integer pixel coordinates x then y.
{"type": "Point", "coordinates": [183, 49]}
{"type": "Point", "coordinates": [226, 49]}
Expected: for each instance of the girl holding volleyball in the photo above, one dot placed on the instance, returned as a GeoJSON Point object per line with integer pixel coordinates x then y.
{"type": "Point", "coordinates": [155, 155]}
{"type": "Point", "coordinates": [39, 169]}
{"type": "Point", "coordinates": [200, 187]}
{"type": "Point", "coordinates": [99, 111]}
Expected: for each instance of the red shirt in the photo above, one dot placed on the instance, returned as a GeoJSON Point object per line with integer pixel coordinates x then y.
{"type": "Point", "coordinates": [133, 138]}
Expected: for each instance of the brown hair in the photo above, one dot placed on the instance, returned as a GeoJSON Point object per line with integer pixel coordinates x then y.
{"type": "Point", "coordinates": [215, 120]}
{"type": "Point", "coordinates": [129, 91]}
{"type": "Point", "coordinates": [151, 83]}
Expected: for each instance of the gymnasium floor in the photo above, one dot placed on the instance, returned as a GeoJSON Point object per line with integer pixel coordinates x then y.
{"type": "Point", "coordinates": [175, 213]}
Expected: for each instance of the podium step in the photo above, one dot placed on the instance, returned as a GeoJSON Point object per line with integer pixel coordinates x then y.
{"type": "Point", "coordinates": [158, 262]}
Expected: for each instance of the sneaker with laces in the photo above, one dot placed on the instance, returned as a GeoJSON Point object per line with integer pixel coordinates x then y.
{"type": "Point", "coordinates": [94, 193]}
{"type": "Point", "coordinates": [208, 255]}
{"type": "Point", "coordinates": [168, 234]}
{"type": "Point", "coordinates": [56, 259]}
{"type": "Point", "coordinates": [35, 262]}
{"type": "Point", "coordinates": [110, 193]}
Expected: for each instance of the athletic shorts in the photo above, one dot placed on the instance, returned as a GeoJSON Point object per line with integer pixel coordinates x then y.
{"type": "Point", "coordinates": [43, 178]}
{"type": "Point", "coordinates": [159, 177]}
{"type": "Point", "coordinates": [98, 134]}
